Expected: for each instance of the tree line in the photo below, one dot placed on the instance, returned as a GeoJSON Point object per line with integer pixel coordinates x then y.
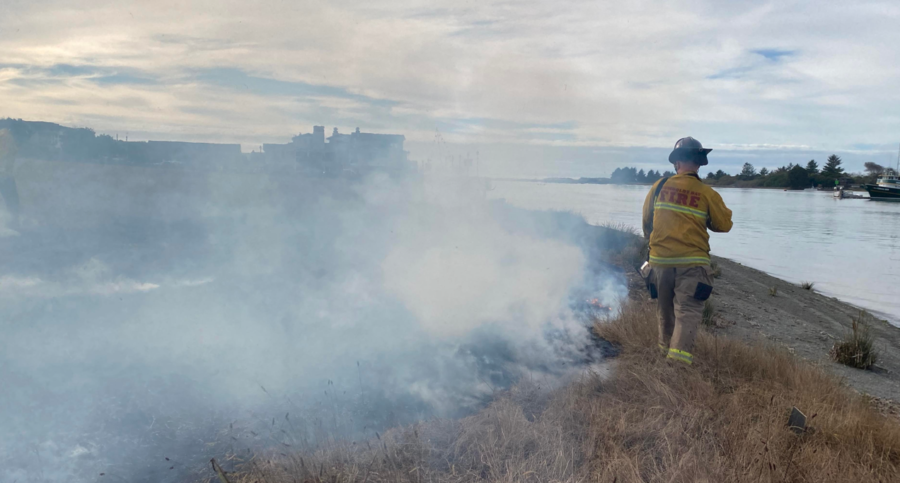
{"type": "Point", "coordinates": [793, 176]}
{"type": "Point", "coordinates": [634, 175]}
{"type": "Point", "coordinates": [796, 176]}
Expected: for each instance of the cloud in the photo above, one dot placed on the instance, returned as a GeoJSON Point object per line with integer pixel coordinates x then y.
{"type": "Point", "coordinates": [91, 278]}
{"type": "Point", "coordinates": [33, 76]}
{"type": "Point", "coordinates": [613, 74]}
{"type": "Point", "coordinates": [237, 79]}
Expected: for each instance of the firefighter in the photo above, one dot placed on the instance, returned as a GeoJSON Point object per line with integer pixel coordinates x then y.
{"type": "Point", "coordinates": [8, 188]}
{"type": "Point", "coordinates": [677, 213]}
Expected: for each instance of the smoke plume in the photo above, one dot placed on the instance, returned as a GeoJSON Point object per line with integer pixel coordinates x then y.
{"type": "Point", "coordinates": [180, 314]}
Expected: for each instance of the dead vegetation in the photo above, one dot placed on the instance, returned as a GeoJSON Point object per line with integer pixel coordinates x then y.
{"type": "Point", "coordinates": [722, 419]}
{"type": "Point", "coordinates": [715, 268]}
{"type": "Point", "coordinates": [807, 285]}
{"type": "Point", "coordinates": [709, 314]}
{"type": "Point", "coordinates": [857, 348]}
{"type": "Point", "coordinates": [628, 249]}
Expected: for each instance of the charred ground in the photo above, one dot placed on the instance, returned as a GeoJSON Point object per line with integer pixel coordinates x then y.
{"type": "Point", "coordinates": [724, 419]}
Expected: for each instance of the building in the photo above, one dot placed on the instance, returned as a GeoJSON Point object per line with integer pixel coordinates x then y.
{"type": "Point", "coordinates": [359, 149]}
{"type": "Point", "coordinates": [351, 154]}
{"type": "Point", "coordinates": [357, 152]}
{"type": "Point", "coordinates": [303, 147]}
{"type": "Point", "coordinates": [176, 152]}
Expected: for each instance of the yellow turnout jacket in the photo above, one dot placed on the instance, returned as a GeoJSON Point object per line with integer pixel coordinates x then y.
{"type": "Point", "coordinates": [686, 207]}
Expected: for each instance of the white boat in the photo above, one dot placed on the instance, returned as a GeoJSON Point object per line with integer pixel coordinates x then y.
{"type": "Point", "coordinates": [840, 194]}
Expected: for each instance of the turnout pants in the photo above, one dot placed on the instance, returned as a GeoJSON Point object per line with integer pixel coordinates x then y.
{"type": "Point", "coordinates": [681, 293]}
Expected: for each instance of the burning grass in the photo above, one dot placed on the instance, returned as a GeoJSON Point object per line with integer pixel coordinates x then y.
{"type": "Point", "coordinates": [722, 419]}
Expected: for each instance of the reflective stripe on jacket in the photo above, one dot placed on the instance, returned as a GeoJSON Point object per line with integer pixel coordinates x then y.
{"type": "Point", "coordinates": [686, 207]}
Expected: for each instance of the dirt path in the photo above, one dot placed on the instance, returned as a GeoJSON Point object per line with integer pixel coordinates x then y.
{"type": "Point", "coordinates": [806, 322]}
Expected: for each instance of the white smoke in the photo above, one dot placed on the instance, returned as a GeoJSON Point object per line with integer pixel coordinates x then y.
{"type": "Point", "coordinates": [456, 273]}
{"type": "Point", "coordinates": [138, 334]}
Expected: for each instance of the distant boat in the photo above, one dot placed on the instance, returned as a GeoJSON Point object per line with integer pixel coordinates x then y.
{"type": "Point", "coordinates": [840, 194]}
{"type": "Point", "coordinates": [887, 188]}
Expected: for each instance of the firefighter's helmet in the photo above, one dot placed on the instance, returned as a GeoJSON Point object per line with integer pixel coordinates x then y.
{"type": "Point", "coordinates": [689, 149]}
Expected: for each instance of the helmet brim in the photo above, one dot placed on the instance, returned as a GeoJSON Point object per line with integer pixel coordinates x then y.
{"type": "Point", "coordinates": [691, 155]}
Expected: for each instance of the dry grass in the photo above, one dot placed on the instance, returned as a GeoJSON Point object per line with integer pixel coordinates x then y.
{"type": "Point", "coordinates": [807, 285]}
{"type": "Point", "coordinates": [857, 348]}
{"type": "Point", "coordinates": [526, 435]}
{"type": "Point", "coordinates": [722, 419]}
{"type": "Point", "coordinates": [625, 228]}
{"type": "Point", "coordinates": [629, 249]}
{"type": "Point", "coordinates": [716, 269]}
{"type": "Point", "coordinates": [709, 314]}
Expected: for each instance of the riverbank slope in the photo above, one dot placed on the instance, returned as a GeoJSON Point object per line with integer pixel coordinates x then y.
{"type": "Point", "coordinates": [806, 322]}
{"type": "Point", "coordinates": [803, 321]}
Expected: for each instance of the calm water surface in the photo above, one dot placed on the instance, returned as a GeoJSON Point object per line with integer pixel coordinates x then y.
{"type": "Point", "coordinates": [849, 248]}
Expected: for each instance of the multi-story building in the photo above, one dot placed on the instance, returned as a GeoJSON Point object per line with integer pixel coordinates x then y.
{"type": "Point", "coordinates": [303, 147]}
{"type": "Point", "coordinates": [357, 152]}
{"type": "Point", "coordinates": [359, 149]}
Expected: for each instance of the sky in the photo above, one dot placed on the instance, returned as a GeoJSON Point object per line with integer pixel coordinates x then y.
{"type": "Point", "coordinates": [533, 88]}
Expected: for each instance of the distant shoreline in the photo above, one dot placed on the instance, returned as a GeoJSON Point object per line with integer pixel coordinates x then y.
{"type": "Point", "coordinates": [568, 181]}
{"type": "Point", "coordinates": [608, 181]}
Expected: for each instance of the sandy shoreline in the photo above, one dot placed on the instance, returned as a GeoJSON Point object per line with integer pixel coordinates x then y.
{"type": "Point", "coordinates": [806, 322]}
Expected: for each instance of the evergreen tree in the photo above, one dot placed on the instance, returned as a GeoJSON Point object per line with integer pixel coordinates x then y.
{"type": "Point", "coordinates": [798, 178]}
{"type": "Point", "coordinates": [710, 175]}
{"type": "Point", "coordinates": [763, 172]}
{"type": "Point", "coordinates": [833, 169]}
{"type": "Point", "coordinates": [668, 174]}
{"type": "Point", "coordinates": [812, 167]}
{"type": "Point", "coordinates": [627, 175]}
{"type": "Point", "coordinates": [720, 173]}
{"type": "Point", "coordinates": [748, 172]}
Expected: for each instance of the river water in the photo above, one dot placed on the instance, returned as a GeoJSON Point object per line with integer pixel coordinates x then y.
{"type": "Point", "coordinates": [849, 248]}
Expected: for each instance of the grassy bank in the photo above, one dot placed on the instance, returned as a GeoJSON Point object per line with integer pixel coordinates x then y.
{"type": "Point", "coordinates": [723, 419]}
